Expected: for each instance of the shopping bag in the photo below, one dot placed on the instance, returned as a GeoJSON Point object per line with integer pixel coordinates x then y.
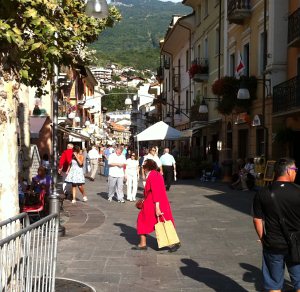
{"type": "Point", "coordinates": [166, 234]}
{"type": "Point", "coordinates": [171, 232]}
{"type": "Point", "coordinates": [161, 236]}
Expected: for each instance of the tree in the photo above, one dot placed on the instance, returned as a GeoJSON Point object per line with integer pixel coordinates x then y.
{"type": "Point", "coordinates": [35, 36]}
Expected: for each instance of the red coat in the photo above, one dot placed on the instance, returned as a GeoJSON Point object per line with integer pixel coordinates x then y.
{"type": "Point", "coordinates": [155, 191]}
{"type": "Point", "coordinates": [65, 159]}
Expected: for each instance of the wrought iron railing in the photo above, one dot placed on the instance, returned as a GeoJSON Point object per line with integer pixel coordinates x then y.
{"type": "Point", "coordinates": [294, 26]}
{"type": "Point", "coordinates": [28, 256]}
{"type": "Point", "coordinates": [238, 9]}
{"type": "Point", "coordinates": [286, 96]}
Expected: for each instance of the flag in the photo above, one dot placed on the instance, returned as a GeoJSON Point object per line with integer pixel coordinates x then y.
{"type": "Point", "coordinates": [240, 67]}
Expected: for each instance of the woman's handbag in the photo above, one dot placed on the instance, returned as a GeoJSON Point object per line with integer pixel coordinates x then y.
{"type": "Point", "coordinates": [166, 234]}
{"type": "Point", "coordinates": [140, 204]}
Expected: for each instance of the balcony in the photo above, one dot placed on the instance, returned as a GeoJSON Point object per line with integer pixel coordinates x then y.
{"type": "Point", "coordinates": [294, 29]}
{"type": "Point", "coordinates": [286, 96]}
{"type": "Point", "coordinates": [238, 11]}
{"type": "Point", "coordinates": [199, 70]}
{"type": "Point", "coordinates": [176, 82]}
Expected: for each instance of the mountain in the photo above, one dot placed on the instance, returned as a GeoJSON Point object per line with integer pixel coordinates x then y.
{"type": "Point", "coordinates": [134, 41]}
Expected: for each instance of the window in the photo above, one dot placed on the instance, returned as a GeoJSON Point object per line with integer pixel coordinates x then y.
{"type": "Point", "coordinates": [217, 42]}
{"type": "Point", "coordinates": [187, 103]}
{"type": "Point", "coordinates": [198, 52]}
{"type": "Point", "coordinates": [262, 64]}
{"type": "Point", "coordinates": [198, 14]}
{"type": "Point", "coordinates": [187, 60]}
{"type": "Point", "coordinates": [232, 65]}
{"type": "Point", "coordinates": [246, 60]}
{"type": "Point", "coordinates": [205, 8]}
{"type": "Point", "coordinates": [206, 48]}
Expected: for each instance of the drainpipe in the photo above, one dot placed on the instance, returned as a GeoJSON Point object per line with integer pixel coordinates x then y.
{"type": "Point", "coordinates": [225, 36]}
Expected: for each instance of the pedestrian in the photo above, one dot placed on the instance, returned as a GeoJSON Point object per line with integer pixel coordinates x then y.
{"type": "Point", "coordinates": [155, 204]}
{"type": "Point", "coordinates": [116, 163]}
{"type": "Point", "coordinates": [132, 177]}
{"type": "Point", "coordinates": [75, 174]}
{"type": "Point", "coordinates": [107, 152]}
{"type": "Point", "coordinates": [45, 163]}
{"type": "Point", "coordinates": [152, 155]}
{"type": "Point", "coordinates": [93, 156]}
{"type": "Point", "coordinates": [168, 166]}
{"type": "Point", "coordinates": [85, 167]}
{"type": "Point", "coordinates": [64, 162]}
{"type": "Point", "coordinates": [268, 228]}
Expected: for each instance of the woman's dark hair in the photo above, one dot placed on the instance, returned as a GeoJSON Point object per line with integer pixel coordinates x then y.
{"type": "Point", "coordinates": [46, 157]}
{"type": "Point", "coordinates": [282, 164]}
{"type": "Point", "coordinates": [150, 165]}
{"type": "Point", "coordinates": [76, 149]}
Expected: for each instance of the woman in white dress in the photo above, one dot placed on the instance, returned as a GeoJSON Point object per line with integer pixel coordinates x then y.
{"type": "Point", "coordinates": [132, 176]}
{"type": "Point", "coordinates": [75, 174]}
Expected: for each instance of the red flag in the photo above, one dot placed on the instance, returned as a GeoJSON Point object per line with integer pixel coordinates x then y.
{"type": "Point", "coordinates": [240, 67]}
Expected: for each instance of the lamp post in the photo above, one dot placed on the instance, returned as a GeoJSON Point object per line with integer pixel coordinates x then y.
{"type": "Point", "coordinates": [97, 9]}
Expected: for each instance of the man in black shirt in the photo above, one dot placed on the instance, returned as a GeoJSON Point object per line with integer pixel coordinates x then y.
{"type": "Point", "coordinates": [266, 223]}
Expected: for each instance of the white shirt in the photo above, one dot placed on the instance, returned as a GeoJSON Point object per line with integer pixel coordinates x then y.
{"type": "Point", "coordinates": [93, 154]}
{"type": "Point", "coordinates": [132, 167]}
{"type": "Point", "coordinates": [167, 159]}
{"type": "Point", "coordinates": [116, 171]}
{"type": "Point", "coordinates": [153, 157]}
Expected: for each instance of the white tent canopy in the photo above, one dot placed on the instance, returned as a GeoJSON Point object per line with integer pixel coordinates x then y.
{"type": "Point", "coordinates": [158, 131]}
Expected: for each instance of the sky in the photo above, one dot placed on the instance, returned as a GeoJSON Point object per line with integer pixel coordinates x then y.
{"type": "Point", "coordinates": [176, 1]}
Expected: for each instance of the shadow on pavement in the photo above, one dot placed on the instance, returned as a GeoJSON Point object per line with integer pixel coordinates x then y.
{"type": "Point", "coordinates": [254, 275]}
{"type": "Point", "coordinates": [212, 279]}
{"type": "Point", "coordinates": [130, 234]}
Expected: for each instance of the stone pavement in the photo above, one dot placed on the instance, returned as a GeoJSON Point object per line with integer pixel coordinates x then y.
{"type": "Point", "coordinates": [219, 249]}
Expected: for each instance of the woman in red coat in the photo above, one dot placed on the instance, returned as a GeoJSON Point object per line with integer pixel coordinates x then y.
{"type": "Point", "coordinates": [156, 203]}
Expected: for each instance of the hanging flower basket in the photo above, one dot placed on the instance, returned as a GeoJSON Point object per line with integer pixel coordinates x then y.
{"type": "Point", "coordinates": [197, 69]}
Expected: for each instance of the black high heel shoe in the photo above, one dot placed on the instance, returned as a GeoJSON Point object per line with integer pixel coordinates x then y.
{"type": "Point", "coordinates": [139, 247]}
{"type": "Point", "coordinates": [174, 247]}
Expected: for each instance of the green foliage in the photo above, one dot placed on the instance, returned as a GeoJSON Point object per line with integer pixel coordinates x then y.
{"type": "Point", "coordinates": [134, 41]}
{"type": "Point", "coordinates": [36, 34]}
{"type": "Point", "coordinates": [227, 87]}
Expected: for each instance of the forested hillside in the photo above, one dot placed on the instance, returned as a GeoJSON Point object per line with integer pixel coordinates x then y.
{"type": "Point", "coordinates": [135, 40]}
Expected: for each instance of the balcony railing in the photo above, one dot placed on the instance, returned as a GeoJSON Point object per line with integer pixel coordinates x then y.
{"type": "Point", "coordinates": [294, 29]}
{"type": "Point", "coordinates": [199, 70]}
{"type": "Point", "coordinates": [238, 10]}
{"type": "Point", "coordinates": [286, 96]}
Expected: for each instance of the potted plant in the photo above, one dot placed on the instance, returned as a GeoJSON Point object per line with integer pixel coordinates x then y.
{"type": "Point", "coordinates": [186, 168]}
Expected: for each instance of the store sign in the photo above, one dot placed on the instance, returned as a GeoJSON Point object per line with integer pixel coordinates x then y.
{"type": "Point", "coordinates": [256, 121]}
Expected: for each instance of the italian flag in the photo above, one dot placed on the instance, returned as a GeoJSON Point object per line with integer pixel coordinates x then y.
{"type": "Point", "coordinates": [240, 67]}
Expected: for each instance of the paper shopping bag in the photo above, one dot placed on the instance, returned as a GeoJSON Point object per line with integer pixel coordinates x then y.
{"type": "Point", "coordinates": [171, 232]}
{"type": "Point", "coordinates": [161, 236]}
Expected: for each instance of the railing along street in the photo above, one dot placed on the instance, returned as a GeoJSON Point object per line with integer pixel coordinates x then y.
{"type": "Point", "coordinates": [28, 256]}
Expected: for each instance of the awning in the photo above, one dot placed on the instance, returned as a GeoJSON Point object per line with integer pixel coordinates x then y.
{"type": "Point", "coordinates": [77, 137]}
{"type": "Point", "coordinates": [36, 124]}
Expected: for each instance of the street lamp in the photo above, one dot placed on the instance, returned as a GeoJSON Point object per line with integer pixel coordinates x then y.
{"type": "Point", "coordinates": [203, 108]}
{"type": "Point", "coordinates": [97, 9]}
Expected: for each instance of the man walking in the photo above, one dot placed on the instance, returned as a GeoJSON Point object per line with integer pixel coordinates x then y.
{"type": "Point", "coordinates": [267, 226]}
{"type": "Point", "coordinates": [116, 163]}
{"type": "Point", "coordinates": [107, 152]}
{"type": "Point", "coordinates": [93, 156]}
{"type": "Point", "coordinates": [64, 162]}
{"type": "Point", "coordinates": [168, 166]}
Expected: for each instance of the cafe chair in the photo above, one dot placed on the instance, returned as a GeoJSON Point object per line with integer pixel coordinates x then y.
{"type": "Point", "coordinates": [34, 211]}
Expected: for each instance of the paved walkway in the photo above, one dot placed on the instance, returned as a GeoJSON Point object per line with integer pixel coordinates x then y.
{"type": "Point", "coordinates": [219, 249]}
